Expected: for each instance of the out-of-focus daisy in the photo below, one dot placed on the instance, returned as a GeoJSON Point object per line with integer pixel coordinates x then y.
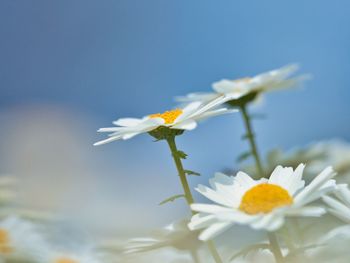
{"type": "Point", "coordinates": [316, 155]}
{"type": "Point", "coordinates": [251, 86]}
{"type": "Point", "coordinates": [179, 119]}
{"type": "Point", "coordinates": [340, 206]}
{"type": "Point", "coordinates": [19, 240]}
{"type": "Point", "coordinates": [262, 204]}
{"type": "Point", "coordinates": [176, 235]}
{"type": "Point", "coordinates": [335, 152]}
{"type": "Point", "coordinates": [291, 158]}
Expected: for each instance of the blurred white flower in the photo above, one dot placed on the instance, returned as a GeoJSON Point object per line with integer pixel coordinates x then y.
{"type": "Point", "coordinates": [19, 240]}
{"type": "Point", "coordinates": [262, 204]}
{"type": "Point", "coordinates": [317, 155]}
{"type": "Point", "coordinates": [176, 235]}
{"type": "Point", "coordinates": [340, 206]}
{"type": "Point", "coordinates": [333, 152]}
{"type": "Point", "coordinates": [180, 119]}
{"type": "Point", "coordinates": [236, 89]}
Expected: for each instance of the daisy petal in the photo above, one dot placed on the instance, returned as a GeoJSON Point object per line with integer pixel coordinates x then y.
{"type": "Point", "coordinates": [214, 230]}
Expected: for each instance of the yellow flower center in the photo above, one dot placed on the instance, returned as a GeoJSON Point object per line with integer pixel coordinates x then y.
{"type": "Point", "coordinates": [263, 198]}
{"type": "Point", "coordinates": [169, 116]}
{"type": "Point", "coordinates": [5, 246]}
{"type": "Point", "coordinates": [66, 260]}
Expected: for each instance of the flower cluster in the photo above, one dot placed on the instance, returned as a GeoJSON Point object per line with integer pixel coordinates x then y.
{"type": "Point", "coordinates": [274, 198]}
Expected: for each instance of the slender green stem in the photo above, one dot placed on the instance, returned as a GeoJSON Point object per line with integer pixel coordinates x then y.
{"type": "Point", "coordinates": [187, 191]}
{"type": "Point", "coordinates": [251, 138]}
{"type": "Point", "coordinates": [275, 248]}
{"type": "Point", "coordinates": [180, 169]}
{"type": "Point", "coordinates": [195, 256]}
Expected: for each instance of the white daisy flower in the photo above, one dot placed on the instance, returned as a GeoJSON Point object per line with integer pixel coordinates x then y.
{"type": "Point", "coordinates": [339, 206]}
{"type": "Point", "coordinates": [238, 88]}
{"type": "Point", "coordinates": [179, 119]}
{"type": "Point", "coordinates": [19, 240]}
{"type": "Point", "coordinates": [176, 235]}
{"type": "Point", "coordinates": [262, 204]}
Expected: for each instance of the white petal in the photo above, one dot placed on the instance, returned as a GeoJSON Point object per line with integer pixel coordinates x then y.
{"type": "Point", "coordinates": [210, 209]}
{"type": "Point", "coordinates": [342, 216]}
{"type": "Point", "coordinates": [107, 140]}
{"type": "Point", "coordinates": [338, 206]}
{"type": "Point", "coordinates": [130, 135]}
{"type": "Point", "coordinates": [199, 221]}
{"type": "Point", "coordinates": [214, 113]}
{"type": "Point", "coordinates": [185, 125]}
{"type": "Point", "coordinates": [288, 179]}
{"type": "Point", "coordinates": [237, 217]}
{"type": "Point", "coordinates": [188, 111]}
{"type": "Point", "coordinates": [208, 106]}
{"type": "Point", "coordinates": [217, 197]}
{"type": "Point", "coordinates": [312, 211]}
{"type": "Point", "coordinates": [111, 129]}
{"type": "Point", "coordinates": [197, 96]}
{"type": "Point", "coordinates": [126, 122]}
{"type": "Point", "coordinates": [316, 183]}
{"type": "Point", "coordinates": [343, 193]}
{"type": "Point", "coordinates": [214, 230]}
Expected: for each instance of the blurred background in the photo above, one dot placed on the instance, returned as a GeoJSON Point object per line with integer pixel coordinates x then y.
{"type": "Point", "coordinates": [68, 68]}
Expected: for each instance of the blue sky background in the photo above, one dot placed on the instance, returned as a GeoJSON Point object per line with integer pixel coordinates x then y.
{"type": "Point", "coordinates": [101, 60]}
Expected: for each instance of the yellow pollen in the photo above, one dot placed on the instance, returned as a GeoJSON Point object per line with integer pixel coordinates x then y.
{"type": "Point", "coordinates": [5, 247]}
{"type": "Point", "coordinates": [263, 198]}
{"type": "Point", "coordinates": [169, 116]}
{"type": "Point", "coordinates": [66, 260]}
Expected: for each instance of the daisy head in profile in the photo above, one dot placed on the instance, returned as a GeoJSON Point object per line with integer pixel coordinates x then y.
{"type": "Point", "coordinates": [20, 241]}
{"type": "Point", "coordinates": [176, 121]}
{"type": "Point", "coordinates": [261, 204]}
{"type": "Point", "coordinates": [243, 90]}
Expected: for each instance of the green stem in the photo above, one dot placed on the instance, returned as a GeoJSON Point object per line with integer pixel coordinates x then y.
{"type": "Point", "coordinates": [275, 248]}
{"type": "Point", "coordinates": [187, 191]}
{"type": "Point", "coordinates": [180, 169]}
{"type": "Point", "coordinates": [251, 138]}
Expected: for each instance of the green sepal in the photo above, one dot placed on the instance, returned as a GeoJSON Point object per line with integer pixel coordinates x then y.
{"type": "Point", "coordinates": [164, 133]}
{"type": "Point", "coordinates": [189, 172]}
{"type": "Point", "coordinates": [171, 199]}
{"type": "Point", "coordinates": [242, 157]}
{"type": "Point", "coordinates": [242, 101]}
{"type": "Point", "coordinates": [245, 251]}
